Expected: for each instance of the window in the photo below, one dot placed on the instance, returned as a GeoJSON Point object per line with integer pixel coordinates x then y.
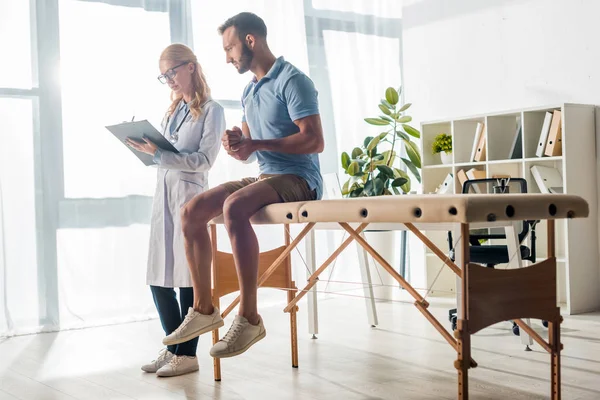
{"type": "Point", "coordinates": [109, 65]}
{"type": "Point", "coordinates": [15, 44]}
{"type": "Point", "coordinates": [18, 255]}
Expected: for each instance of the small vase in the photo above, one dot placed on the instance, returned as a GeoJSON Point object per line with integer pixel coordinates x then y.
{"type": "Point", "coordinates": [446, 157]}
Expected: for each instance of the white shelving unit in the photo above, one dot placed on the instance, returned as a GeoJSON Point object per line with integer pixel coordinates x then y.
{"type": "Point", "coordinates": [577, 239]}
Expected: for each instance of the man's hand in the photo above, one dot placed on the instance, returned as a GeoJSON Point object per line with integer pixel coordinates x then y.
{"type": "Point", "coordinates": [231, 137]}
{"type": "Point", "coordinates": [237, 145]}
{"type": "Point", "coordinates": [145, 146]}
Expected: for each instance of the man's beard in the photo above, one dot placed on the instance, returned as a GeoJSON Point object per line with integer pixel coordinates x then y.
{"type": "Point", "coordinates": [246, 59]}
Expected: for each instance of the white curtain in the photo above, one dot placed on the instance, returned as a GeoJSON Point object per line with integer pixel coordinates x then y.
{"type": "Point", "coordinates": [109, 63]}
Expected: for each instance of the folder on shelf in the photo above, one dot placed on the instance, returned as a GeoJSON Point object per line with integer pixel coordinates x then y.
{"type": "Point", "coordinates": [480, 153]}
{"type": "Point", "coordinates": [516, 150]}
{"type": "Point", "coordinates": [474, 173]}
{"type": "Point", "coordinates": [446, 186]}
{"type": "Point", "coordinates": [554, 143]}
{"type": "Point", "coordinates": [544, 135]}
{"type": "Point", "coordinates": [462, 178]}
{"type": "Point", "coordinates": [548, 179]}
{"type": "Point", "coordinates": [476, 139]}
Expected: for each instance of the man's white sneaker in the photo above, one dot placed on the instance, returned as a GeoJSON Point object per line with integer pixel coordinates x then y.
{"type": "Point", "coordinates": [164, 356]}
{"type": "Point", "coordinates": [179, 365]}
{"type": "Point", "coordinates": [239, 338]}
{"type": "Point", "coordinates": [194, 325]}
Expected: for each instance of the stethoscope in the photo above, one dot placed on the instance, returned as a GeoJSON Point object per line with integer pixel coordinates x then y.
{"type": "Point", "coordinates": [174, 137]}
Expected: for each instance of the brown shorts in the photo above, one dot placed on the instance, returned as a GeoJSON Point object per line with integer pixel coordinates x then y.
{"type": "Point", "coordinates": [288, 186]}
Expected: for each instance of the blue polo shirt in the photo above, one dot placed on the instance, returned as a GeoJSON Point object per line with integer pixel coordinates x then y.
{"type": "Point", "coordinates": [270, 107]}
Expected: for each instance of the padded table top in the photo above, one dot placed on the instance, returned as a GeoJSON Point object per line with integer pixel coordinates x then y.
{"type": "Point", "coordinates": [430, 208]}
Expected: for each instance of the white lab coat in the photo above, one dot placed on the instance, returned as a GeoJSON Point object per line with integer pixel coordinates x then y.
{"type": "Point", "coordinates": [180, 178]}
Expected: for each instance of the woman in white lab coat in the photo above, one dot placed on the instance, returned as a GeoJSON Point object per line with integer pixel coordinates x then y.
{"type": "Point", "coordinates": [194, 124]}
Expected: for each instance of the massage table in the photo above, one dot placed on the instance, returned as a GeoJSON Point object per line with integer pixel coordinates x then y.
{"type": "Point", "coordinates": [486, 296]}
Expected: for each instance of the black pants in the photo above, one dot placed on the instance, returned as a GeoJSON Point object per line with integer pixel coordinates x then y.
{"type": "Point", "coordinates": [172, 315]}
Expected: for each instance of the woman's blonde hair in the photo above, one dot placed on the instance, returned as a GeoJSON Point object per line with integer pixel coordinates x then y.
{"type": "Point", "coordinates": [180, 53]}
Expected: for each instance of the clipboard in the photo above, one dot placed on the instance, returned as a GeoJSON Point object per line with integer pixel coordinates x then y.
{"type": "Point", "coordinates": [138, 130]}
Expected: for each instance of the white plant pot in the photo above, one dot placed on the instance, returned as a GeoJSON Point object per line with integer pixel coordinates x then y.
{"type": "Point", "coordinates": [446, 157]}
{"type": "Point", "coordinates": [384, 243]}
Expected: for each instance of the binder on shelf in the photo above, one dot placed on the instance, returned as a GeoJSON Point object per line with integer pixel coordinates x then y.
{"type": "Point", "coordinates": [474, 173]}
{"type": "Point", "coordinates": [548, 179]}
{"type": "Point", "coordinates": [476, 139]}
{"type": "Point", "coordinates": [554, 143]}
{"type": "Point", "coordinates": [462, 178]}
{"type": "Point", "coordinates": [544, 135]}
{"type": "Point", "coordinates": [516, 150]}
{"type": "Point", "coordinates": [480, 153]}
{"type": "Point", "coordinates": [446, 186]}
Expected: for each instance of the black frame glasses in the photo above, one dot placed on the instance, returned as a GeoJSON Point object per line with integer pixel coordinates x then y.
{"type": "Point", "coordinates": [170, 74]}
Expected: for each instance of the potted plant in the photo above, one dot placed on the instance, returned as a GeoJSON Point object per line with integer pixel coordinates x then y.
{"type": "Point", "coordinates": [374, 171]}
{"type": "Point", "coordinates": [442, 144]}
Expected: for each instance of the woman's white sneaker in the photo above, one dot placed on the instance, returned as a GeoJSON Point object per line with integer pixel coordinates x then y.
{"type": "Point", "coordinates": [164, 356]}
{"type": "Point", "coordinates": [194, 325]}
{"type": "Point", "coordinates": [179, 365]}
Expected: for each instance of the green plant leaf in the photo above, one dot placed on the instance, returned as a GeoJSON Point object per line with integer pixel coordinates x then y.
{"type": "Point", "coordinates": [404, 119]}
{"type": "Point", "coordinates": [357, 151]}
{"type": "Point", "coordinates": [372, 152]}
{"type": "Point", "coordinates": [385, 103]}
{"type": "Point", "coordinates": [396, 191]}
{"type": "Point", "coordinates": [367, 141]}
{"type": "Point", "coordinates": [411, 131]}
{"type": "Point", "coordinates": [413, 153]}
{"type": "Point", "coordinates": [356, 192]}
{"type": "Point", "coordinates": [346, 188]}
{"type": "Point", "coordinates": [405, 107]}
{"type": "Point", "coordinates": [384, 169]}
{"type": "Point", "coordinates": [391, 96]}
{"type": "Point", "coordinates": [399, 182]}
{"type": "Point", "coordinates": [387, 155]}
{"type": "Point", "coordinates": [345, 161]}
{"type": "Point", "coordinates": [360, 162]}
{"type": "Point", "coordinates": [386, 118]}
{"type": "Point", "coordinates": [374, 187]}
{"type": "Point", "coordinates": [384, 109]}
{"type": "Point", "coordinates": [402, 135]}
{"type": "Point", "coordinates": [399, 90]}
{"type": "Point", "coordinates": [413, 169]}
{"type": "Point", "coordinates": [398, 173]}
{"type": "Point", "coordinates": [372, 144]}
{"type": "Point", "coordinates": [353, 169]}
{"type": "Point", "coordinates": [376, 121]}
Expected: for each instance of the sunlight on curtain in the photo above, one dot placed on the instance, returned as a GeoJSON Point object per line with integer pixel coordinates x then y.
{"type": "Point", "coordinates": [109, 65]}
{"type": "Point", "coordinates": [378, 8]}
{"type": "Point", "coordinates": [15, 44]}
{"type": "Point", "coordinates": [19, 311]}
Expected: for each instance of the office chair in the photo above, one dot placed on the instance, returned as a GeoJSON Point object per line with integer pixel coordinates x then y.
{"type": "Point", "coordinates": [491, 255]}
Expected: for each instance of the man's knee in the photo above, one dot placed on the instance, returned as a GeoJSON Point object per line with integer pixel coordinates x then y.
{"type": "Point", "coordinates": [234, 210]}
{"type": "Point", "coordinates": [194, 216]}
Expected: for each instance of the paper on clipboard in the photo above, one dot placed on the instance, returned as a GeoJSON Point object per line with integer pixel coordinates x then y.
{"type": "Point", "coordinates": [138, 130]}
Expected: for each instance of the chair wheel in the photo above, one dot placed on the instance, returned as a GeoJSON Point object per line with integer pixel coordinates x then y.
{"type": "Point", "coordinates": [516, 330]}
{"type": "Point", "coordinates": [545, 323]}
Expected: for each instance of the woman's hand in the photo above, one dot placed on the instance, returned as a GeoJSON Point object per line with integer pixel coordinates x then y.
{"type": "Point", "coordinates": [146, 146]}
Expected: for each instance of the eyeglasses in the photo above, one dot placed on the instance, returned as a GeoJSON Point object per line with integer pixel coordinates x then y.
{"type": "Point", "coordinates": [170, 74]}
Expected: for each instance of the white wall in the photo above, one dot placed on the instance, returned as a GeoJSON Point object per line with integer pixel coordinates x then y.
{"type": "Point", "coordinates": [464, 57]}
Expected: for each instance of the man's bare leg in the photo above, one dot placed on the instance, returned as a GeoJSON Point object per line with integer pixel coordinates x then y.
{"type": "Point", "coordinates": [194, 218]}
{"type": "Point", "coordinates": [237, 210]}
